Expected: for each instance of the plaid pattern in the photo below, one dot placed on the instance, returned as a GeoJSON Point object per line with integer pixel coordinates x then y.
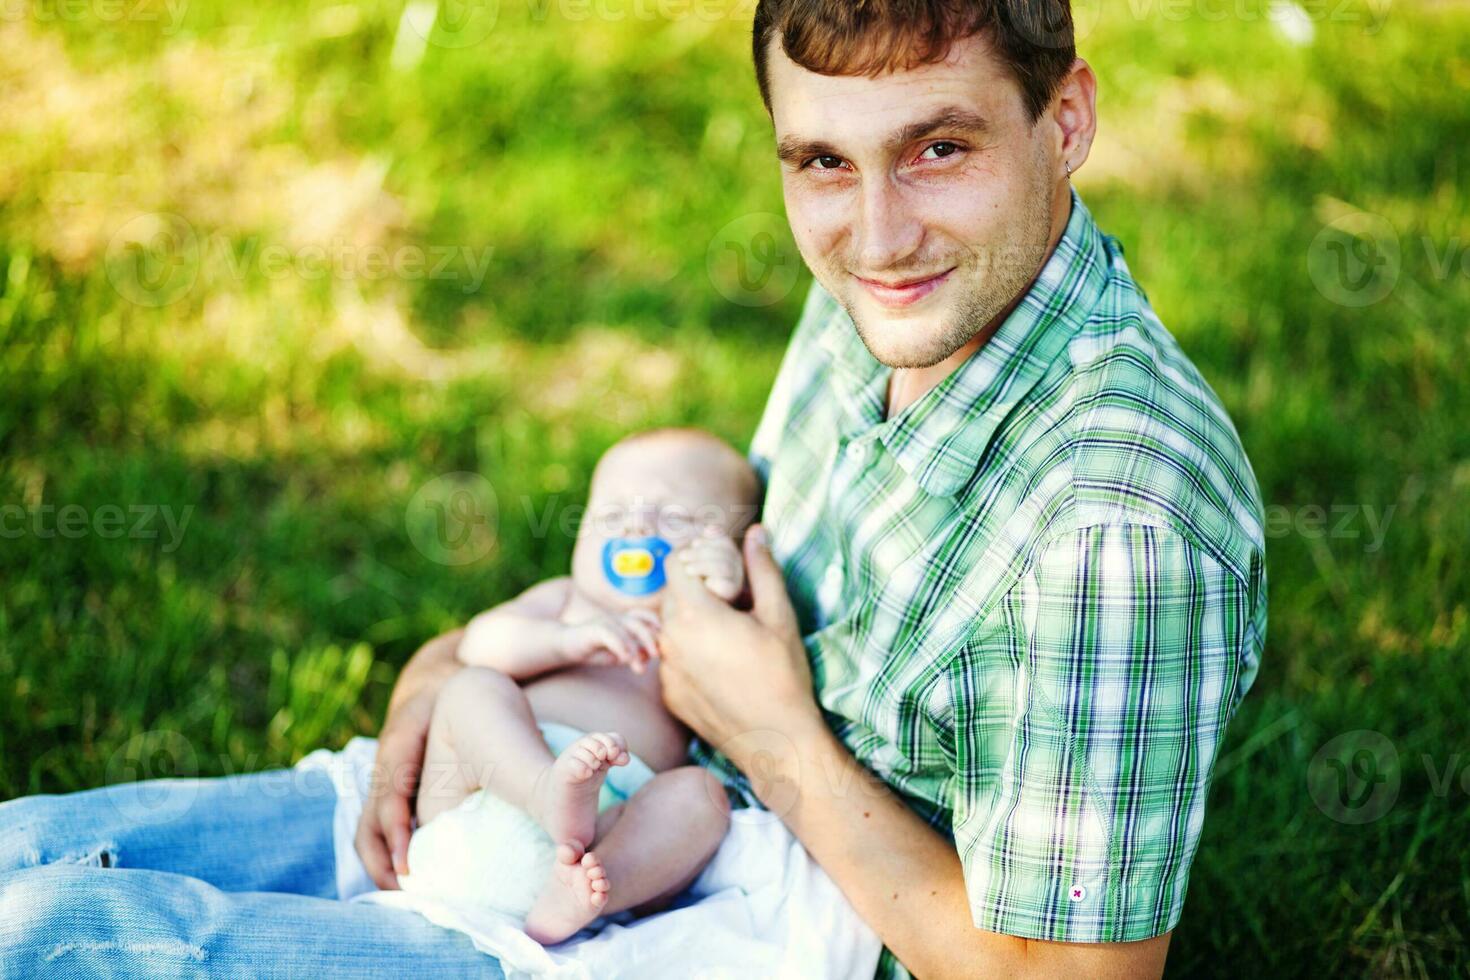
{"type": "Point", "coordinates": [1033, 599]}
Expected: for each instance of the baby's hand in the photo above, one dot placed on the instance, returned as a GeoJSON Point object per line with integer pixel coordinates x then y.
{"type": "Point", "coordinates": [716, 561]}
{"type": "Point", "coordinates": [630, 639]}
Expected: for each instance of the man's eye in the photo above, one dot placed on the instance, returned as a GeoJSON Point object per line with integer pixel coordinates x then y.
{"type": "Point", "coordinates": [939, 150]}
{"type": "Point", "coordinates": [826, 162]}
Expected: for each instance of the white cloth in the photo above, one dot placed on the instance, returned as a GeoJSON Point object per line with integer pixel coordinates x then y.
{"type": "Point", "coordinates": [761, 908]}
{"type": "Point", "coordinates": [490, 855]}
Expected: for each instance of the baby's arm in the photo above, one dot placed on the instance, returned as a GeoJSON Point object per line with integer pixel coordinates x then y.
{"type": "Point", "coordinates": [522, 637]}
{"type": "Point", "coordinates": [525, 637]}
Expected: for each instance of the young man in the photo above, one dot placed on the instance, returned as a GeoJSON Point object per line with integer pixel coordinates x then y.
{"type": "Point", "coordinates": [1015, 560]}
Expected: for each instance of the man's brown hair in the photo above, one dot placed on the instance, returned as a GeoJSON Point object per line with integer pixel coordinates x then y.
{"type": "Point", "coordinates": [1034, 38]}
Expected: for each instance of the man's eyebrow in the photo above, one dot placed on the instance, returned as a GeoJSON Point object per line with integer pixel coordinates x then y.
{"type": "Point", "coordinates": [951, 118]}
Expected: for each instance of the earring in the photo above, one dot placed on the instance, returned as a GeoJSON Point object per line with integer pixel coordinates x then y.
{"type": "Point", "coordinates": [1069, 169]}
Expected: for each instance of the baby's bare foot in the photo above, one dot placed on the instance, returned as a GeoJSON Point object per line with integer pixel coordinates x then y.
{"type": "Point", "coordinates": [566, 794]}
{"type": "Point", "coordinates": [575, 894]}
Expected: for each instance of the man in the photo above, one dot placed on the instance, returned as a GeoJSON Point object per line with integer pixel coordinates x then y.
{"type": "Point", "coordinates": [1016, 560]}
{"type": "Point", "coordinates": [1012, 561]}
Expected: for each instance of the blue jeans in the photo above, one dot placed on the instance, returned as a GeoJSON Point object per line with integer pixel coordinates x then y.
{"type": "Point", "coordinates": [200, 878]}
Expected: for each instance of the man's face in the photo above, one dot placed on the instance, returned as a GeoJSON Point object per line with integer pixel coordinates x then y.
{"type": "Point", "coordinates": [922, 200]}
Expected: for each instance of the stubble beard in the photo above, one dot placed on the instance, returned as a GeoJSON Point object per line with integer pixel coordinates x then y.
{"type": "Point", "coordinates": [992, 279]}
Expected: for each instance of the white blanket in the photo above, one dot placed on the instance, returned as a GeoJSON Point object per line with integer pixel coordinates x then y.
{"type": "Point", "coordinates": [761, 908]}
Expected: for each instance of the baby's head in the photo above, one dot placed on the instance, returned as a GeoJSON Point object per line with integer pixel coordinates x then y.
{"type": "Point", "coordinates": [652, 493]}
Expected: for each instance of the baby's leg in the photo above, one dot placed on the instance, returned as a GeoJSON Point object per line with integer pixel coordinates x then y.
{"type": "Point", "coordinates": [663, 838]}
{"type": "Point", "coordinates": [482, 731]}
{"type": "Point", "coordinates": [487, 738]}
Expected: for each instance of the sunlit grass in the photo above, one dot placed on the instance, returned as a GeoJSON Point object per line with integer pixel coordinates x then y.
{"type": "Point", "coordinates": [571, 175]}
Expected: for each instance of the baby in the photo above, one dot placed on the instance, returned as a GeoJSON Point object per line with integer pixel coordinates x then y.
{"type": "Point", "coordinates": [555, 788]}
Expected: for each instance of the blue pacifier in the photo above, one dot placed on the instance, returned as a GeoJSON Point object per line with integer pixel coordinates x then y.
{"type": "Point", "coordinates": [635, 566]}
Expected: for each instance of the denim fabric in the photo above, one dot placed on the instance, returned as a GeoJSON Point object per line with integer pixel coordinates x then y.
{"type": "Point", "coordinates": [199, 878]}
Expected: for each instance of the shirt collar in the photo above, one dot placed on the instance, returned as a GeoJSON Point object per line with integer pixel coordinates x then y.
{"type": "Point", "coordinates": [940, 439]}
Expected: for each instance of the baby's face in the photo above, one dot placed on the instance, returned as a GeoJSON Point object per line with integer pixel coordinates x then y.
{"type": "Point", "coordinates": [646, 502]}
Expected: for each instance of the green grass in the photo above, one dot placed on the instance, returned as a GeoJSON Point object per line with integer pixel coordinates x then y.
{"type": "Point", "coordinates": [298, 416]}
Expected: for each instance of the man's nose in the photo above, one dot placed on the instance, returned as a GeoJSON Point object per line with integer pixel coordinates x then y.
{"type": "Point", "coordinates": [889, 229]}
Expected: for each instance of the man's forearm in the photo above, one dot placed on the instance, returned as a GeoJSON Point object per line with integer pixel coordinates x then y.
{"type": "Point", "coordinates": [905, 879]}
{"type": "Point", "coordinates": [426, 671]}
{"type": "Point", "coordinates": [902, 877]}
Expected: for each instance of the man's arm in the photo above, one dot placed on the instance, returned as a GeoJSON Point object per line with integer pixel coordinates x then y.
{"type": "Point", "coordinates": [1076, 810]}
{"type": "Point", "coordinates": [904, 878]}
{"type": "Point", "coordinates": [383, 830]}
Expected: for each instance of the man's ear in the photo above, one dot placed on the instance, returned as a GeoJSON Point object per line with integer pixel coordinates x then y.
{"type": "Point", "coordinates": [1074, 115]}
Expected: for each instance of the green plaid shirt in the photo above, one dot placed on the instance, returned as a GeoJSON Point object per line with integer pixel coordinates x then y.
{"type": "Point", "coordinates": [1034, 598]}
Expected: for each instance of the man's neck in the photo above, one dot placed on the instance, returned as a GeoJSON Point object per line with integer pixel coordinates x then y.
{"type": "Point", "coordinates": [908, 385]}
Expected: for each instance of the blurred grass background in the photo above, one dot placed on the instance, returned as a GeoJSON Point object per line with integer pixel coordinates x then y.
{"type": "Point", "coordinates": [169, 175]}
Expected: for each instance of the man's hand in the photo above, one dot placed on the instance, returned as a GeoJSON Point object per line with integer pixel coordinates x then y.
{"type": "Point", "coordinates": [383, 830]}
{"type": "Point", "coordinates": [727, 673]}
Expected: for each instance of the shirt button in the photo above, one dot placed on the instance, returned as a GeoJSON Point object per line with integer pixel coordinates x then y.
{"type": "Point", "coordinates": [856, 451]}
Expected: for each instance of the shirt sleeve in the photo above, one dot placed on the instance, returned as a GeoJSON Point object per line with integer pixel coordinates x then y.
{"type": "Point", "coordinates": [1089, 711]}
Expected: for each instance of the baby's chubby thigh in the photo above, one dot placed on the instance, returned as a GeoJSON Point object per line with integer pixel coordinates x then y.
{"type": "Point", "coordinates": [442, 782]}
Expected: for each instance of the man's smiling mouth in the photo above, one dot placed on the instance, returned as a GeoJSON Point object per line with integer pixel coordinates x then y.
{"type": "Point", "coordinates": [903, 292]}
